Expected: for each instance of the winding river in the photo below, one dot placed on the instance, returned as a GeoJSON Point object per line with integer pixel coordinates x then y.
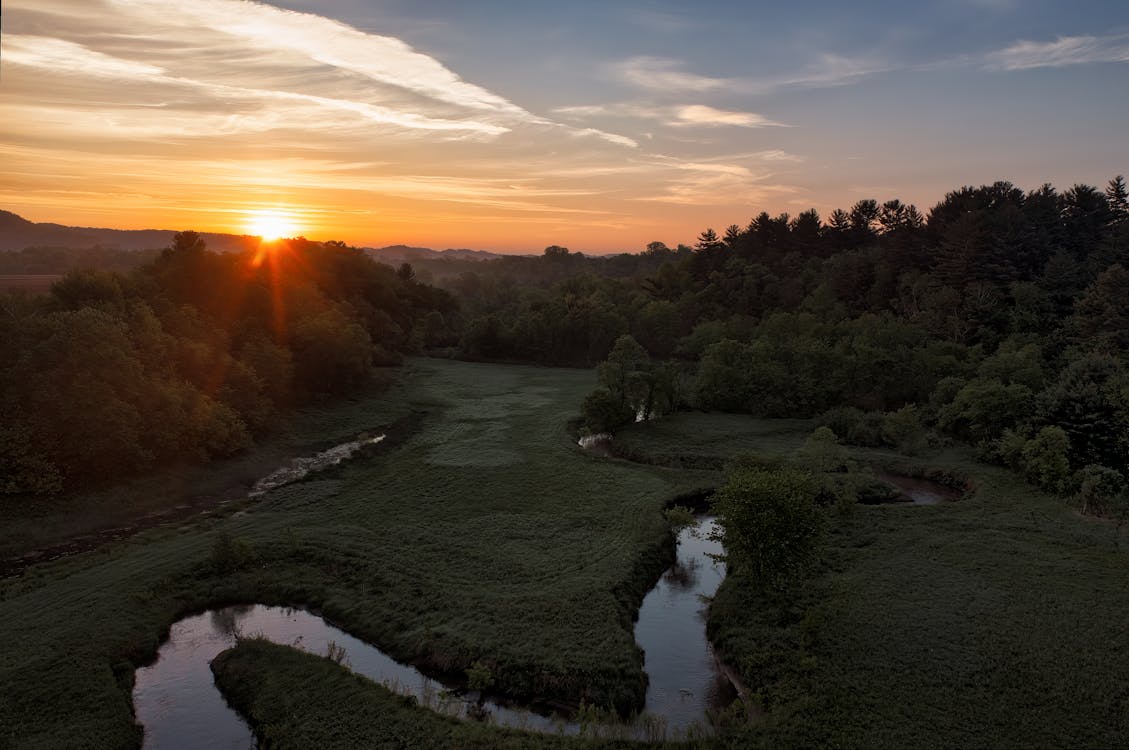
{"type": "Point", "coordinates": [177, 703]}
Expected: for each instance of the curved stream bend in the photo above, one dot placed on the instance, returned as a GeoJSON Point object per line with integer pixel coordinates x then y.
{"type": "Point", "coordinates": [176, 700]}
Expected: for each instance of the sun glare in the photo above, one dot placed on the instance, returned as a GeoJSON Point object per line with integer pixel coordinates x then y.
{"type": "Point", "coordinates": [271, 225]}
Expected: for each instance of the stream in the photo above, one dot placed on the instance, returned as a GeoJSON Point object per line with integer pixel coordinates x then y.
{"type": "Point", "coordinates": [176, 701]}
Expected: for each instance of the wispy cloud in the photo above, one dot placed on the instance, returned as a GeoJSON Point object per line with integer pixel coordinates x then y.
{"type": "Point", "coordinates": [664, 74]}
{"type": "Point", "coordinates": [700, 114]}
{"type": "Point", "coordinates": [675, 116]}
{"type": "Point", "coordinates": [734, 179]}
{"type": "Point", "coordinates": [201, 108]}
{"type": "Point", "coordinates": [383, 59]}
{"type": "Point", "coordinates": [825, 71]}
{"type": "Point", "coordinates": [1066, 50]}
{"type": "Point", "coordinates": [75, 59]}
{"type": "Point", "coordinates": [668, 76]}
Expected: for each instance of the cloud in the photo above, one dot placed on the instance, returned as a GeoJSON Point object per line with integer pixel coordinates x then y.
{"type": "Point", "coordinates": [734, 179]}
{"type": "Point", "coordinates": [664, 74]}
{"type": "Point", "coordinates": [1066, 50]}
{"type": "Point", "coordinates": [383, 59]}
{"type": "Point", "coordinates": [667, 76]}
{"type": "Point", "coordinates": [685, 115]}
{"type": "Point", "coordinates": [700, 114]}
{"type": "Point", "coordinates": [143, 110]}
{"type": "Point", "coordinates": [827, 71]}
{"type": "Point", "coordinates": [68, 57]}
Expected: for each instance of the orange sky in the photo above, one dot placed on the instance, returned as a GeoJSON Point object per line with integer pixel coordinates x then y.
{"type": "Point", "coordinates": [438, 132]}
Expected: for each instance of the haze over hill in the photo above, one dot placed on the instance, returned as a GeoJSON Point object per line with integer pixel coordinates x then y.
{"type": "Point", "coordinates": [17, 233]}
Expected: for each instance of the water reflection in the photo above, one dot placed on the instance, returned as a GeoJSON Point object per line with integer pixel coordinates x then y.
{"type": "Point", "coordinates": [684, 676]}
{"type": "Point", "coordinates": [177, 703]}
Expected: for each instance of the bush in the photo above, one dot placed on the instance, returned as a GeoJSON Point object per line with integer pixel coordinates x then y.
{"type": "Point", "coordinates": [855, 426]}
{"type": "Point", "coordinates": [904, 430]}
{"type": "Point", "coordinates": [603, 412]}
{"type": "Point", "coordinates": [230, 554]}
{"type": "Point", "coordinates": [1045, 459]}
{"type": "Point", "coordinates": [1101, 491]}
{"type": "Point", "coordinates": [1008, 449]}
{"type": "Point", "coordinates": [823, 452]}
{"type": "Point", "coordinates": [769, 524]}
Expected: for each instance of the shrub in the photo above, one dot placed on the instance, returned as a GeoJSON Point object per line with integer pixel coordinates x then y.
{"type": "Point", "coordinates": [479, 677]}
{"type": "Point", "coordinates": [823, 452]}
{"type": "Point", "coordinates": [1045, 459]}
{"type": "Point", "coordinates": [855, 426]}
{"type": "Point", "coordinates": [1008, 449]}
{"type": "Point", "coordinates": [603, 412]}
{"type": "Point", "coordinates": [1101, 491]}
{"type": "Point", "coordinates": [230, 554]}
{"type": "Point", "coordinates": [904, 430]}
{"type": "Point", "coordinates": [769, 524]}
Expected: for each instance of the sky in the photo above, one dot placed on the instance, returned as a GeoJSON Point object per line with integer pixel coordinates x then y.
{"type": "Point", "coordinates": [511, 126]}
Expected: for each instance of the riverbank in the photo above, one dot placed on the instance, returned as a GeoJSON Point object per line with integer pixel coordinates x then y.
{"type": "Point", "coordinates": [486, 536]}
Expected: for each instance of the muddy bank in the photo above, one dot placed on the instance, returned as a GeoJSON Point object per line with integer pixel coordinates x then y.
{"type": "Point", "coordinates": [921, 490]}
{"type": "Point", "coordinates": [187, 506]}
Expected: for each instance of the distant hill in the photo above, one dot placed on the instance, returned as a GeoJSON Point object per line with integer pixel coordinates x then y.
{"type": "Point", "coordinates": [17, 233]}
{"type": "Point", "coordinates": [396, 254]}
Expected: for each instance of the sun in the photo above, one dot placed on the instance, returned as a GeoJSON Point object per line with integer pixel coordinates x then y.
{"type": "Point", "coordinates": [271, 225]}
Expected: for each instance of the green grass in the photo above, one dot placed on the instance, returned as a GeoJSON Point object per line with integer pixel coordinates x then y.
{"type": "Point", "coordinates": [34, 523]}
{"type": "Point", "coordinates": [487, 534]}
{"type": "Point", "coordinates": [996, 621]}
{"type": "Point", "coordinates": [698, 440]}
{"type": "Point", "coordinates": [298, 700]}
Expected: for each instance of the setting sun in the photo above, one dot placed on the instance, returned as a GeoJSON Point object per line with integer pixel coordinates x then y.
{"type": "Point", "coordinates": [271, 225]}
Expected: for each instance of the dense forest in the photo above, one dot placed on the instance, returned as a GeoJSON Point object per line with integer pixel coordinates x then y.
{"type": "Point", "coordinates": [999, 317]}
{"type": "Point", "coordinates": [192, 355]}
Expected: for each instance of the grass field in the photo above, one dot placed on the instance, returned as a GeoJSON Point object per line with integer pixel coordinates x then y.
{"type": "Point", "coordinates": [177, 494]}
{"type": "Point", "coordinates": [996, 621]}
{"type": "Point", "coordinates": [486, 534]}
{"type": "Point", "coordinates": [299, 700]}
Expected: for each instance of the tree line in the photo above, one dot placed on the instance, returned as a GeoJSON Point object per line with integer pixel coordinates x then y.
{"type": "Point", "coordinates": [999, 317]}
{"type": "Point", "coordinates": [193, 355]}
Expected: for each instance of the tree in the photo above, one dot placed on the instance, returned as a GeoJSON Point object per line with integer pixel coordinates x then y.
{"type": "Point", "coordinates": [1102, 491]}
{"type": "Point", "coordinates": [769, 524]}
{"type": "Point", "coordinates": [985, 407]}
{"type": "Point", "coordinates": [1090, 402]}
{"type": "Point", "coordinates": [1101, 314]}
{"type": "Point", "coordinates": [625, 373]}
{"type": "Point", "coordinates": [708, 241]}
{"type": "Point", "coordinates": [1045, 460]}
{"type": "Point", "coordinates": [603, 412]}
{"type": "Point", "coordinates": [1118, 198]}
{"type": "Point", "coordinates": [823, 452]}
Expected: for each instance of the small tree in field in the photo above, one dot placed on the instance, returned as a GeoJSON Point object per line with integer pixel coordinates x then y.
{"type": "Point", "coordinates": [823, 452]}
{"type": "Point", "coordinates": [769, 524]}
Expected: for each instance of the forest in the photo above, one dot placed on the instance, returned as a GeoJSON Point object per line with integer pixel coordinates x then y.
{"type": "Point", "coordinates": [790, 380]}
{"type": "Point", "coordinates": [999, 318]}
{"type": "Point", "coordinates": [191, 356]}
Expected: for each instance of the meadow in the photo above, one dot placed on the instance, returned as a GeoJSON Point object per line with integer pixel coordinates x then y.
{"type": "Point", "coordinates": [484, 534]}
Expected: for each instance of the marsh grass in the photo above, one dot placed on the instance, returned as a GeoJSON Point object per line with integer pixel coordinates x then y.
{"type": "Point", "coordinates": [484, 534]}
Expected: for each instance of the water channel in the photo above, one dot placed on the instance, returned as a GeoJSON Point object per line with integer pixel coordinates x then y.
{"type": "Point", "coordinates": [177, 703]}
